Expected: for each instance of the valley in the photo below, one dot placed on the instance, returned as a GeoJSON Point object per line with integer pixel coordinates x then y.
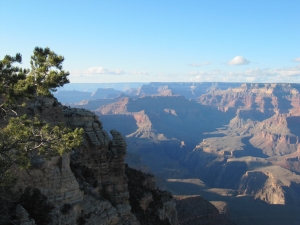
{"type": "Point", "coordinates": [228, 142]}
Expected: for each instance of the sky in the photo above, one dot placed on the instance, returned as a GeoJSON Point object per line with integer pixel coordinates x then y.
{"type": "Point", "coordinates": [106, 41]}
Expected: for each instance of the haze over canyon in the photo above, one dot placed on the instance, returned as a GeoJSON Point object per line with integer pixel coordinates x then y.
{"type": "Point", "coordinates": [229, 142]}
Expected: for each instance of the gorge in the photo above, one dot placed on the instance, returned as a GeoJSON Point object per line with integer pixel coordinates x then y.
{"type": "Point", "coordinates": [240, 140]}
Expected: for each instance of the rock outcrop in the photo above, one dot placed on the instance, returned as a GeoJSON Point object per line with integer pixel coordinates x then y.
{"type": "Point", "coordinates": [195, 210]}
{"type": "Point", "coordinates": [272, 184]}
{"type": "Point", "coordinates": [149, 204]}
{"type": "Point", "coordinates": [23, 216]}
{"type": "Point", "coordinates": [293, 164]}
{"type": "Point", "coordinates": [88, 185]}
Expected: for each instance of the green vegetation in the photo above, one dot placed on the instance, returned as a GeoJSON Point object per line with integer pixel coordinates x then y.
{"type": "Point", "coordinates": [16, 84]}
{"type": "Point", "coordinates": [46, 71]}
{"type": "Point", "coordinates": [13, 84]}
{"type": "Point", "coordinates": [22, 141]}
{"type": "Point", "coordinates": [25, 138]}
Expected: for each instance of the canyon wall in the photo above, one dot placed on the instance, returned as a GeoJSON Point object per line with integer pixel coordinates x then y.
{"type": "Point", "coordinates": [90, 180]}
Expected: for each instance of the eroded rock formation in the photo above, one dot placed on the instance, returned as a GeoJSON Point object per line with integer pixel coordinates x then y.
{"type": "Point", "coordinates": [195, 210]}
{"type": "Point", "coordinates": [87, 185]}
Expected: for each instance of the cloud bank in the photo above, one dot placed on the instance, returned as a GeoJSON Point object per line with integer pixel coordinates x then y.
{"type": "Point", "coordinates": [94, 71]}
{"type": "Point", "coordinates": [297, 59]}
{"type": "Point", "coordinates": [283, 75]}
{"type": "Point", "coordinates": [101, 70]}
{"type": "Point", "coordinates": [238, 60]}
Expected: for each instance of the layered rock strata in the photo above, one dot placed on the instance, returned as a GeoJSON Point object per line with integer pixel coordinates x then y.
{"type": "Point", "coordinates": [95, 187]}
{"type": "Point", "coordinates": [272, 184]}
{"type": "Point", "coordinates": [105, 159]}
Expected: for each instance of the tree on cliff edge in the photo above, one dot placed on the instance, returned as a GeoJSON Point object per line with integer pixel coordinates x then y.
{"type": "Point", "coordinates": [46, 71]}
{"type": "Point", "coordinates": [24, 136]}
{"type": "Point", "coordinates": [13, 85]}
{"type": "Point", "coordinates": [26, 141]}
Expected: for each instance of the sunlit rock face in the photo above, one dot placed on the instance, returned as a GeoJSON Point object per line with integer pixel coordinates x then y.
{"type": "Point", "coordinates": [273, 184]}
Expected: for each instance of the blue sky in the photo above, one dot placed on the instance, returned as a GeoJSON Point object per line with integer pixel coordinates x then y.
{"type": "Point", "coordinates": [143, 41]}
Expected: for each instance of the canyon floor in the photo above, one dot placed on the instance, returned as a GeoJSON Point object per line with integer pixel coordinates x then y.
{"type": "Point", "coordinates": [243, 209]}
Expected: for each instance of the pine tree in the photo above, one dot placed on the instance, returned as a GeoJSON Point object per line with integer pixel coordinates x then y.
{"type": "Point", "coordinates": [25, 141]}
{"type": "Point", "coordinates": [46, 71]}
{"type": "Point", "coordinates": [12, 83]}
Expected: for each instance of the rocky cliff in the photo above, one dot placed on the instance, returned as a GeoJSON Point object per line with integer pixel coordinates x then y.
{"type": "Point", "coordinates": [272, 184]}
{"type": "Point", "coordinates": [149, 204]}
{"type": "Point", "coordinates": [89, 184]}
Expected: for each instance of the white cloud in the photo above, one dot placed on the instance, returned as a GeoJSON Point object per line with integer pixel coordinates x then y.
{"type": "Point", "coordinates": [138, 73]}
{"type": "Point", "coordinates": [93, 71]}
{"type": "Point", "coordinates": [101, 70]}
{"type": "Point", "coordinates": [285, 72]}
{"type": "Point", "coordinates": [96, 70]}
{"type": "Point", "coordinates": [250, 75]}
{"type": "Point", "coordinates": [297, 59]}
{"type": "Point", "coordinates": [116, 72]}
{"type": "Point", "coordinates": [288, 72]}
{"type": "Point", "coordinates": [199, 64]}
{"type": "Point", "coordinates": [238, 60]}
